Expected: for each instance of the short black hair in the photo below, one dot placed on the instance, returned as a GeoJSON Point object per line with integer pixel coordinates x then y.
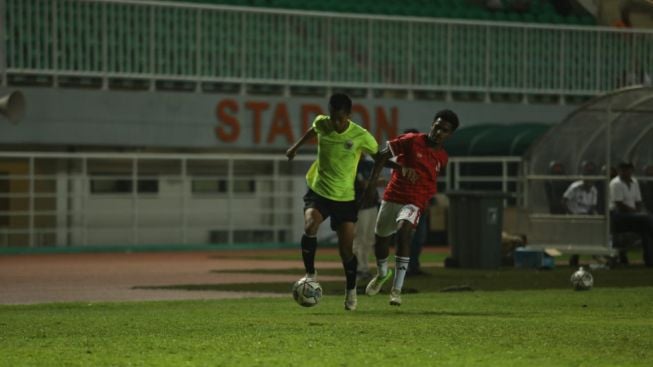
{"type": "Point", "coordinates": [625, 165]}
{"type": "Point", "coordinates": [340, 102]}
{"type": "Point", "coordinates": [448, 115]}
{"type": "Point", "coordinates": [411, 130]}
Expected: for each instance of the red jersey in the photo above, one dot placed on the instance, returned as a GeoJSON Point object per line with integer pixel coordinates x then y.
{"type": "Point", "coordinates": [413, 151]}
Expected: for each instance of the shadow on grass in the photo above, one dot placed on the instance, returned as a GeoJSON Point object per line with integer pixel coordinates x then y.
{"type": "Point", "coordinates": [447, 313]}
{"type": "Point", "coordinates": [440, 279]}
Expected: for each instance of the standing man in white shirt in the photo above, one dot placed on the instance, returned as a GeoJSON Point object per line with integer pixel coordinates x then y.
{"type": "Point", "coordinates": [627, 212]}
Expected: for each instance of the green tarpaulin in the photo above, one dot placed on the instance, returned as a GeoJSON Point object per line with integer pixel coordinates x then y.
{"type": "Point", "coordinates": [495, 139]}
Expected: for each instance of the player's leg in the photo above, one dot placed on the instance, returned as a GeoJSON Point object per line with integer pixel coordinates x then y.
{"type": "Point", "coordinates": [385, 228]}
{"type": "Point", "coordinates": [382, 253]}
{"type": "Point", "coordinates": [407, 220]}
{"type": "Point", "coordinates": [345, 233]}
{"type": "Point", "coordinates": [313, 217]}
{"type": "Point", "coordinates": [312, 220]}
{"type": "Point", "coordinates": [343, 221]}
{"type": "Point", "coordinates": [349, 262]}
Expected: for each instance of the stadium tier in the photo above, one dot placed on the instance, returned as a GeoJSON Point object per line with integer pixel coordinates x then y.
{"type": "Point", "coordinates": [100, 41]}
{"type": "Point", "coordinates": [537, 11]}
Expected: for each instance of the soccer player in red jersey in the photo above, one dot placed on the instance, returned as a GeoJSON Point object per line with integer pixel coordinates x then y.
{"type": "Point", "coordinates": [420, 158]}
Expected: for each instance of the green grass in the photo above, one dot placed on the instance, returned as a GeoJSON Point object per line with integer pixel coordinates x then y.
{"type": "Point", "coordinates": [514, 317]}
{"type": "Point", "coordinates": [602, 327]}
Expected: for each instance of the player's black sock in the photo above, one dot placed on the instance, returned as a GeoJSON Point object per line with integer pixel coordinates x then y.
{"type": "Point", "coordinates": [309, 246]}
{"type": "Point", "coordinates": [350, 272]}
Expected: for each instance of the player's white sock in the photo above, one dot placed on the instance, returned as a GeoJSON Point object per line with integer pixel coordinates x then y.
{"type": "Point", "coordinates": [382, 266]}
{"type": "Point", "coordinates": [401, 266]}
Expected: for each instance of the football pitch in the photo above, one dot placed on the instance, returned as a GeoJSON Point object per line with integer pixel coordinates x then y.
{"type": "Point", "coordinates": [511, 318]}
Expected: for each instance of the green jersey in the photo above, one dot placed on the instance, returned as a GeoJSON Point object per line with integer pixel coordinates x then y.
{"type": "Point", "coordinates": [332, 175]}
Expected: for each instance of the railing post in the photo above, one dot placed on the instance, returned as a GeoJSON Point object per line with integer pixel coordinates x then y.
{"type": "Point", "coordinates": [561, 77]}
{"type": "Point", "coordinates": [84, 200]}
{"type": "Point", "coordinates": [185, 189]}
{"type": "Point", "coordinates": [55, 41]}
{"type": "Point", "coordinates": [230, 199]}
{"type": "Point", "coordinates": [243, 64]}
{"type": "Point", "coordinates": [370, 50]}
{"type": "Point", "coordinates": [198, 51]}
{"type": "Point", "coordinates": [135, 237]}
{"type": "Point", "coordinates": [449, 97]}
{"type": "Point", "coordinates": [31, 203]}
{"type": "Point", "coordinates": [3, 48]}
{"type": "Point", "coordinates": [487, 65]}
{"type": "Point", "coordinates": [105, 47]}
{"type": "Point", "coordinates": [286, 66]}
{"type": "Point", "coordinates": [153, 67]}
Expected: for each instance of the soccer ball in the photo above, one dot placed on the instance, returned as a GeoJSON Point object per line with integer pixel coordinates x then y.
{"type": "Point", "coordinates": [307, 292]}
{"type": "Point", "coordinates": [582, 280]}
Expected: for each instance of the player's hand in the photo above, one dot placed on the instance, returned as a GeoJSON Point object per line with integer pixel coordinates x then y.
{"type": "Point", "coordinates": [409, 173]}
{"type": "Point", "coordinates": [290, 153]}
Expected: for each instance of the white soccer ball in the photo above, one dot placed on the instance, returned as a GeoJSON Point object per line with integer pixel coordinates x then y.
{"type": "Point", "coordinates": [582, 280]}
{"type": "Point", "coordinates": [307, 293]}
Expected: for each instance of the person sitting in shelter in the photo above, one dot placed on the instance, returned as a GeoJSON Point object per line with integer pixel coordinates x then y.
{"type": "Point", "coordinates": [627, 213]}
{"type": "Point", "coordinates": [581, 197]}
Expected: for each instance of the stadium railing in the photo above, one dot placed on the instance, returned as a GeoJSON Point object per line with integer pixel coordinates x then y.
{"type": "Point", "coordinates": [118, 199]}
{"type": "Point", "coordinates": [99, 41]}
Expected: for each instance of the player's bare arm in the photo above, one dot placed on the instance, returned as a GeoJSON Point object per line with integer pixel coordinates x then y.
{"type": "Point", "coordinates": [409, 173]}
{"type": "Point", "coordinates": [385, 155]}
{"type": "Point", "coordinates": [380, 159]}
{"type": "Point", "coordinates": [292, 151]}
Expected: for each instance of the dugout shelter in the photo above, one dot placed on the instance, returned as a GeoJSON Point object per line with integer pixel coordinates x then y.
{"type": "Point", "coordinates": [589, 143]}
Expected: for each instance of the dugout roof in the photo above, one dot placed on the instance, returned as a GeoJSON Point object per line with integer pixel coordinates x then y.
{"type": "Point", "coordinates": [610, 128]}
{"type": "Point", "coordinates": [493, 139]}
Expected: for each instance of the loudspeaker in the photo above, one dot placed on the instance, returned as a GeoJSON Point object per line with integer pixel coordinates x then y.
{"type": "Point", "coordinates": [12, 106]}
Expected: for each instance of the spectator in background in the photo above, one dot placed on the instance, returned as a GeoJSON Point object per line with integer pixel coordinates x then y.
{"type": "Point", "coordinates": [368, 209]}
{"type": "Point", "coordinates": [521, 6]}
{"type": "Point", "coordinates": [635, 76]}
{"type": "Point", "coordinates": [627, 212]}
{"type": "Point", "coordinates": [581, 197]}
{"type": "Point", "coordinates": [494, 5]}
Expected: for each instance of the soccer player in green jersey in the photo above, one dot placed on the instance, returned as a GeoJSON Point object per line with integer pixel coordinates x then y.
{"type": "Point", "coordinates": [330, 182]}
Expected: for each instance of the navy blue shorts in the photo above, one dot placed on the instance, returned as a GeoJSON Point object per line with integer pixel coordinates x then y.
{"type": "Point", "coordinates": [339, 211]}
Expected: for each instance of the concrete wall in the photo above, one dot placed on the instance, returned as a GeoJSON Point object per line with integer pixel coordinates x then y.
{"type": "Point", "coordinates": [129, 119]}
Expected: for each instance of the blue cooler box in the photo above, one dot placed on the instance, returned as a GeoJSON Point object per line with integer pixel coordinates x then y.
{"type": "Point", "coordinates": [534, 259]}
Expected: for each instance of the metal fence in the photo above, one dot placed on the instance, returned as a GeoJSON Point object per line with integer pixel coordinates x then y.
{"type": "Point", "coordinates": [151, 40]}
{"type": "Point", "coordinates": [94, 199]}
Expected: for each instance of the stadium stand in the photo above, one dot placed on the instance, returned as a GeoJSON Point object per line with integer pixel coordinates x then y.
{"type": "Point", "coordinates": [536, 11]}
{"type": "Point", "coordinates": [225, 46]}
